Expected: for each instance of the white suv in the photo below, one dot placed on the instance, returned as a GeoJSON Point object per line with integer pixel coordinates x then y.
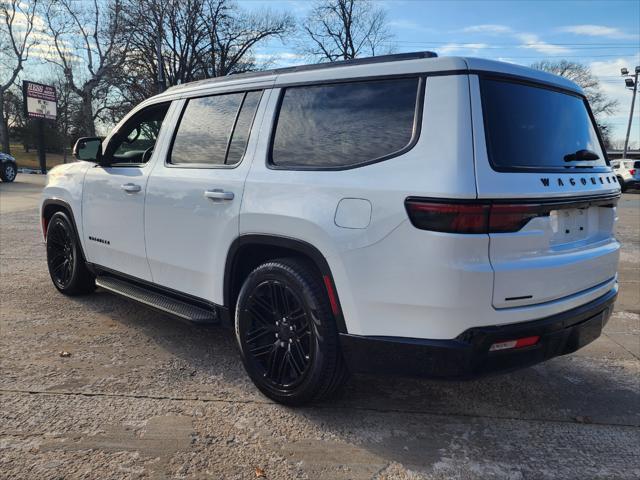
{"type": "Point", "coordinates": [405, 214]}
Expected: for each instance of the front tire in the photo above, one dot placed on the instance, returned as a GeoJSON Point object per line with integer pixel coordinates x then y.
{"type": "Point", "coordinates": [8, 172]}
{"type": "Point", "coordinates": [623, 186]}
{"type": "Point", "coordinates": [287, 334]}
{"type": "Point", "coordinates": [67, 267]}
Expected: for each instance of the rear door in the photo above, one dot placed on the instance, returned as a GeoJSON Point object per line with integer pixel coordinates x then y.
{"type": "Point", "coordinates": [540, 163]}
{"type": "Point", "coordinates": [194, 194]}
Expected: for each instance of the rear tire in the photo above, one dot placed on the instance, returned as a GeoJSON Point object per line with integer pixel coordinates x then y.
{"type": "Point", "coordinates": [287, 334]}
{"type": "Point", "coordinates": [67, 267]}
{"type": "Point", "coordinates": [8, 172]}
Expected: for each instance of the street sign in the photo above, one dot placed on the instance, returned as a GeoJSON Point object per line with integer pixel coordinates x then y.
{"type": "Point", "coordinates": [40, 101]}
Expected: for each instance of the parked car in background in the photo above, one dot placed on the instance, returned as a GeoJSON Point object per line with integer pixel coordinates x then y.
{"type": "Point", "coordinates": [8, 167]}
{"type": "Point", "coordinates": [402, 214]}
{"type": "Point", "coordinates": [627, 172]}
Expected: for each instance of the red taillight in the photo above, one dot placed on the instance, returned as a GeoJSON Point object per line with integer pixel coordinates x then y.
{"type": "Point", "coordinates": [511, 218]}
{"type": "Point", "coordinates": [632, 171]}
{"type": "Point", "coordinates": [448, 217]}
{"type": "Point", "coordinates": [513, 344]}
{"type": "Point", "coordinates": [458, 217]}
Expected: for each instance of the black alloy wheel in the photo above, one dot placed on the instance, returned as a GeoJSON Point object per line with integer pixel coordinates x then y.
{"type": "Point", "coordinates": [278, 337]}
{"type": "Point", "coordinates": [287, 333]}
{"type": "Point", "coordinates": [67, 268]}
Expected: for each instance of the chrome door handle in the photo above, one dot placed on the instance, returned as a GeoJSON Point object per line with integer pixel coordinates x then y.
{"type": "Point", "coordinates": [131, 187]}
{"type": "Point", "coordinates": [218, 194]}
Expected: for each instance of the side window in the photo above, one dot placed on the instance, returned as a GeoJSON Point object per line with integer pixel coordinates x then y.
{"type": "Point", "coordinates": [344, 124]}
{"type": "Point", "coordinates": [214, 130]}
{"type": "Point", "coordinates": [133, 144]}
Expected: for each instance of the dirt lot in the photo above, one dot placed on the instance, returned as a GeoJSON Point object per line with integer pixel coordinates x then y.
{"type": "Point", "coordinates": [145, 396]}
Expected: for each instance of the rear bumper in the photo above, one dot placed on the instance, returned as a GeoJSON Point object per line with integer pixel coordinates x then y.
{"type": "Point", "coordinates": [468, 355]}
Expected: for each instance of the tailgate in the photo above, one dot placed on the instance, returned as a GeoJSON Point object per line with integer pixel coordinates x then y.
{"type": "Point", "coordinates": [569, 248]}
{"type": "Point", "coordinates": [539, 161]}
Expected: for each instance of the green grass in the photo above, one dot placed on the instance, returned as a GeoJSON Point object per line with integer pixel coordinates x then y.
{"type": "Point", "coordinates": [30, 159]}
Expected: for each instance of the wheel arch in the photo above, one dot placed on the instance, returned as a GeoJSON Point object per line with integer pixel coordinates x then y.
{"type": "Point", "coordinates": [50, 207]}
{"type": "Point", "coordinates": [249, 251]}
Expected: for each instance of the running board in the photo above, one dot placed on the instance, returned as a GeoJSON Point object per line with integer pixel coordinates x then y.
{"type": "Point", "coordinates": [157, 300]}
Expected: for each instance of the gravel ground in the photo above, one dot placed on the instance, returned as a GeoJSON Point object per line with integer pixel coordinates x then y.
{"type": "Point", "coordinates": [146, 396]}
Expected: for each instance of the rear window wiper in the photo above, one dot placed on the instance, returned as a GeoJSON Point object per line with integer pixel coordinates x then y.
{"type": "Point", "coordinates": [587, 155]}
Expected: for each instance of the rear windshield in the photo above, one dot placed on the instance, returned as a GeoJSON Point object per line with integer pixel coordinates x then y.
{"type": "Point", "coordinates": [536, 128]}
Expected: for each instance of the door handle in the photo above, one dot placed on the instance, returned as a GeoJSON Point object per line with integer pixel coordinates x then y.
{"type": "Point", "coordinates": [218, 194]}
{"type": "Point", "coordinates": [131, 187]}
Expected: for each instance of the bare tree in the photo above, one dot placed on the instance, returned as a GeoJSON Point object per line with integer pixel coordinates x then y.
{"type": "Point", "coordinates": [231, 34]}
{"type": "Point", "coordinates": [15, 42]}
{"type": "Point", "coordinates": [601, 105]}
{"type": "Point", "coordinates": [198, 39]}
{"type": "Point", "coordinates": [345, 29]}
{"type": "Point", "coordinates": [90, 45]}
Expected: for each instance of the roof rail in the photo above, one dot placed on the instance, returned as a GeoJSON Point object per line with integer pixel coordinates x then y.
{"type": "Point", "coordinates": [396, 57]}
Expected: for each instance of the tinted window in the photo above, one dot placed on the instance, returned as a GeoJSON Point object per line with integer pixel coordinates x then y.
{"type": "Point", "coordinates": [203, 134]}
{"type": "Point", "coordinates": [134, 142]}
{"type": "Point", "coordinates": [537, 128]}
{"type": "Point", "coordinates": [243, 127]}
{"type": "Point", "coordinates": [344, 124]}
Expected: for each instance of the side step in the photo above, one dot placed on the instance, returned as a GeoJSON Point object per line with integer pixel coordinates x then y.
{"type": "Point", "coordinates": [157, 300]}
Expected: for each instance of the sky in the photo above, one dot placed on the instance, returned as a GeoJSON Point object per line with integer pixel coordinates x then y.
{"type": "Point", "coordinates": [602, 34]}
{"type": "Point", "coordinates": [605, 35]}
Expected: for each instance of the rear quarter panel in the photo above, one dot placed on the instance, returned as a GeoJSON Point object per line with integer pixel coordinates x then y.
{"type": "Point", "coordinates": [302, 204]}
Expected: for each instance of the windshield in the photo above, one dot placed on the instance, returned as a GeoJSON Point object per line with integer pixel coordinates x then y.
{"type": "Point", "coordinates": [536, 128]}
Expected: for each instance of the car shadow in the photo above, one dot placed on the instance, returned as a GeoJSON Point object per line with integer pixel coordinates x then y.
{"type": "Point", "coordinates": [561, 389]}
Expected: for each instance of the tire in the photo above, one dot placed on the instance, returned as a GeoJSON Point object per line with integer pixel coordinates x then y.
{"type": "Point", "coordinates": [623, 186]}
{"type": "Point", "coordinates": [8, 172]}
{"type": "Point", "coordinates": [67, 268]}
{"type": "Point", "coordinates": [287, 334]}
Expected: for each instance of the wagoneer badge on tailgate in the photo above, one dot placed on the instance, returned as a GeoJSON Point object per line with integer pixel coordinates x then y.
{"type": "Point", "coordinates": [583, 180]}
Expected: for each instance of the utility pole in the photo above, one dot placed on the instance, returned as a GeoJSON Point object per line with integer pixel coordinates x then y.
{"type": "Point", "coordinates": [631, 81]}
{"type": "Point", "coordinates": [161, 81]}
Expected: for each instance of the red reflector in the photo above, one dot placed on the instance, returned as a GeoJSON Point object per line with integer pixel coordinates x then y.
{"type": "Point", "coordinates": [332, 295]}
{"type": "Point", "coordinates": [513, 344]}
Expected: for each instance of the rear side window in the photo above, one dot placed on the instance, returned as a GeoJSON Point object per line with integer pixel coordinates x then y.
{"type": "Point", "coordinates": [345, 124]}
{"type": "Point", "coordinates": [214, 130]}
{"type": "Point", "coordinates": [535, 128]}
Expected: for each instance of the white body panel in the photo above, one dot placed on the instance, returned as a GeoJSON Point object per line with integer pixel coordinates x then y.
{"type": "Point", "coordinates": [190, 256]}
{"type": "Point", "coordinates": [110, 214]}
{"type": "Point", "coordinates": [392, 279]}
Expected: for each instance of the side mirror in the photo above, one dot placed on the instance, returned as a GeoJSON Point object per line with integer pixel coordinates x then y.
{"type": "Point", "coordinates": [88, 148]}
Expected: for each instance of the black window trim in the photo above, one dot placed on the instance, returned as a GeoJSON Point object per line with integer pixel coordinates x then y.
{"type": "Point", "coordinates": [137, 165]}
{"type": "Point", "coordinates": [202, 166]}
{"type": "Point", "coordinates": [415, 132]}
{"type": "Point", "coordinates": [545, 86]}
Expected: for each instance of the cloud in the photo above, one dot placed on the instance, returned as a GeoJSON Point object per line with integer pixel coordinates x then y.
{"type": "Point", "coordinates": [533, 42]}
{"type": "Point", "coordinates": [597, 31]}
{"type": "Point", "coordinates": [455, 47]}
{"type": "Point", "coordinates": [402, 24]}
{"type": "Point", "coordinates": [487, 28]}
